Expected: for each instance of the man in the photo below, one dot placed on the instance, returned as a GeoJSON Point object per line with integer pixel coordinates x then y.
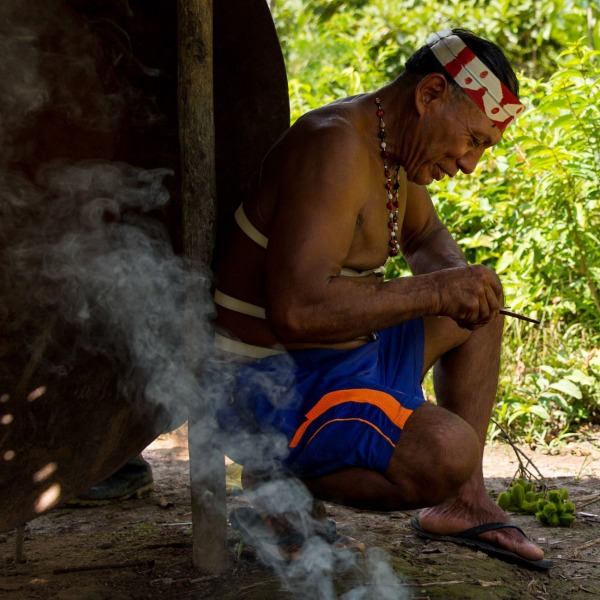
{"type": "Point", "coordinates": [301, 270]}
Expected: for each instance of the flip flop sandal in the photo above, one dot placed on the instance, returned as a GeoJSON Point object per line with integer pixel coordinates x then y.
{"type": "Point", "coordinates": [470, 538]}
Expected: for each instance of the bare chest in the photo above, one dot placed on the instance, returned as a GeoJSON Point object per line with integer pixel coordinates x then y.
{"type": "Point", "coordinates": [379, 223]}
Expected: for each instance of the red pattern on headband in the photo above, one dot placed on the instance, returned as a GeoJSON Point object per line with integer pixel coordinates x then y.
{"type": "Point", "coordinates": [475, 78]}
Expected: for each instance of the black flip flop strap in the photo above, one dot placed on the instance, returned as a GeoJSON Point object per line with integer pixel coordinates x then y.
{"type": "Point", "coordinates": [478, 529]}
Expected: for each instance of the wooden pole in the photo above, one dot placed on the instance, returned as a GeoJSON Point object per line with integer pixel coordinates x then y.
{"type": "Point", "coordinates": [197, 141]}
{"type": "Point", "coordinates": [197, 128]}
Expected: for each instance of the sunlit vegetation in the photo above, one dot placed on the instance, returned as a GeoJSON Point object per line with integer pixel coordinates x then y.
{"type": "Point", "coordinates": [531, 209]}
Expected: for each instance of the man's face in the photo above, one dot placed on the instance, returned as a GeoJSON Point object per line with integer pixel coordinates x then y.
{"type": "Point", "coordinates": [450, 138]}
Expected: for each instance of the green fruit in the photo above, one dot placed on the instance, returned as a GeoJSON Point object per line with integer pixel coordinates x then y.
{"type": "Point", "coordinates": [553, 521]}
{"type": "Point", "coordinates": [530, 507]}
{"type": "Point", "coordinates": [504, 500]}
{"type": "Point", "coordinates": [554, 496]}
{"type": "Point", "coordinates": [566, 520]}
{"type": "Point", "coordinates": [517, 494]}
{"type": "Point", "coordinates": [551, 508]}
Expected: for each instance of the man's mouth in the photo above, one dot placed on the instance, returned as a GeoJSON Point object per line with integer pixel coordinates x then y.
{"type": "Point", "coordinates": [439, 173]}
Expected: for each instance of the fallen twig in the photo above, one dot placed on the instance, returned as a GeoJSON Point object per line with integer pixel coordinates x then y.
{"type": "Point", "coordinates": [523, 470]}
{"type": "Point", "coordinates": [429, 584]}
{"type": "Point", "coordinates": [99, 567]}
{"type": "Point", "coordinates": [588, 502]}
{"type": "Point", "coordinates": [581, 560]}
{"type": "Point", "coordinates": [249, 587]}
{"type": "Point", "coordinates": [589, 544]}
{"type": "Point", "coordinates": [583, 589]}
{"type": "Point", "coordinates": [203, 579]}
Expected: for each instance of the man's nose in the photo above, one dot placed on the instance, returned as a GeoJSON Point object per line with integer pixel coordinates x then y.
{"type": "Point", "coordinates": [469, 161]}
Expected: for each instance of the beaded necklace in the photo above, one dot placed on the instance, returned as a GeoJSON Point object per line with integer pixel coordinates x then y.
{"type": "Point", "coordinates": [392, 188]}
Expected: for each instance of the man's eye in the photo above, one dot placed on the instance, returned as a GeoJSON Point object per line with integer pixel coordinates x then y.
{"type": "Point", "coordinates": [475, 142]}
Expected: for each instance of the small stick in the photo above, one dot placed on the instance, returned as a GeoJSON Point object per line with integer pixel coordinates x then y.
{"type": "Point", "coordinates": [523, 469]}
{"type": "Point", "coordinates": [123, 565]}
{"type": "Point", "coordinates": [580, 560]}
{"type": "Point", "coordinates": [589, 544]}
{"type": "Point", "coordinates": [253, 585]}
{"type": "Point", "coordinates": [510, 313]}
{"type": "Point", "coordinates": [432, 583]}
{"type": "Point", "coordinates": [588, 502]}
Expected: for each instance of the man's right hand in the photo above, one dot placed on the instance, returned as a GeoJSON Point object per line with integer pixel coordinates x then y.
{"type": "Point", "coordinates": [471, 295]}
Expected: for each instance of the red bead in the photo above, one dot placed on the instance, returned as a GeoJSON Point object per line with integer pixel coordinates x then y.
{"type": "Point", "coordinates": [396, 204]}
{"type": "Point", "coordinates": [380, 112]}
{"type": "Point", "coordinates": [390, 206]}
{"type": "Point", "coordinates": [391, 225]}
{"type": "Point", "coordinates": [388, 185]}
{"type": "Point", "coordinates": [393, 252]}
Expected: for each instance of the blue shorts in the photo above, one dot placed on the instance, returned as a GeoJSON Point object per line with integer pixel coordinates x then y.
{"type": "Point", "coordinates": [321, 410]}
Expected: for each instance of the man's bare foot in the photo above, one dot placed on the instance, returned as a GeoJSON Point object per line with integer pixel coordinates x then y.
{"type": "Point", "coordinates": [458, 515]}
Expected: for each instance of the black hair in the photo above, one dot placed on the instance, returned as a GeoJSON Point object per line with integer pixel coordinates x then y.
{"type": "Point", "coordinates": [423, 61]}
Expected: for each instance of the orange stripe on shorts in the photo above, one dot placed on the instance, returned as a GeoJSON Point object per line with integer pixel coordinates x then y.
{"type": "Point", "coordinates": [394, 411]}
{"type": "Point", "coordinates": [385, 437]}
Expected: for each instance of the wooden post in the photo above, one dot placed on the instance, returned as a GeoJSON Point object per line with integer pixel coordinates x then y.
{"type": "Point", "coordinates": [197, 141]}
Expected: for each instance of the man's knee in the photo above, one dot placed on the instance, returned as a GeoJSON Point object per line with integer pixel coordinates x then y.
{"type": "Point", "coordinates": [437, 454]}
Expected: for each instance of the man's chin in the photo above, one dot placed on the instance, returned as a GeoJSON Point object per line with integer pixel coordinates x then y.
{"type": "Point", "coordinates": [420, 178]}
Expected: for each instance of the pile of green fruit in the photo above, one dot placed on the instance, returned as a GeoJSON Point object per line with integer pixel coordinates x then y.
{"type": "Point", "coordinates": [551, 508]}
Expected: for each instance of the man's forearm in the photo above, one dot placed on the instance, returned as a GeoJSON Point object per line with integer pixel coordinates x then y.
{"type": "Point", "coordinates": [436, 252]}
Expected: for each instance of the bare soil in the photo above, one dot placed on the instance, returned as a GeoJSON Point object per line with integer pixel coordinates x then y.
{"type": "Point", "coordinates": [142, 549]}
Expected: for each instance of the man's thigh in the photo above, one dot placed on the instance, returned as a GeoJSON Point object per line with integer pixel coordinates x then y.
{"type": "Point", "coordinates": [441, 335]}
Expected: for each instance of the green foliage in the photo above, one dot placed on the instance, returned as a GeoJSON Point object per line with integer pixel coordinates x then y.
{"type": "Point", "coordinates": [548, 253]}
{"type": "Point", "coordinates": [531, 209]}
{"type": "Point", "coordinates": [334, 49]}
{"type": "Point", "coordinates": [551, 508]}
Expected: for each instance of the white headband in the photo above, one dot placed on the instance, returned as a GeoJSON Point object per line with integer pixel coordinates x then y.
{"type": "Point", "coordinates": [477, 80]}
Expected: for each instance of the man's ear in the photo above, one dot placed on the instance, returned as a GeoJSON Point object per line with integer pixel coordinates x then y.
{"type": "Point", "coordinates": [431, 88]}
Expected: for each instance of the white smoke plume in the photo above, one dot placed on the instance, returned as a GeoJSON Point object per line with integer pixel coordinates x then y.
{"type": "Point", "coordinates": [80, 241]}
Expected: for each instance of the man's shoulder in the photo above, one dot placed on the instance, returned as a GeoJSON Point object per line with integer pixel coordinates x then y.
{"type": "Point", "coordinates": [337, 117]}
{"type": "Point", "coordinates": [332, 126]}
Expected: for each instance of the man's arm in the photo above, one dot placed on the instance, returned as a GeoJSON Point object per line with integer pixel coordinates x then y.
{"type": "Point", "coordinates": [323, 180]}
{"type": "Point", "coordinates": [425, 241]}
{"type": "Point", "coordinates": [428, 247]}
{"type": "Point", "coordinates": [324, 177]}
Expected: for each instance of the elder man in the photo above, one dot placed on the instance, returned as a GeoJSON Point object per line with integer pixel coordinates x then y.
{"type": "Point", "coordinates": [300, 292]}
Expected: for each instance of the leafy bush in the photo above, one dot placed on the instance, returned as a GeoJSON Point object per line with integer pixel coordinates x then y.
{"type": "Point", "coordinates": [531, 210]}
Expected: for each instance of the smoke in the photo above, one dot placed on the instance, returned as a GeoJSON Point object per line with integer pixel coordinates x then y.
{"type": "Point", "coordinates": [81, 233]}
{"type": "Point", "coordinates": [83, 239]}
{"type": "Point", "coordinates": [322, 571]}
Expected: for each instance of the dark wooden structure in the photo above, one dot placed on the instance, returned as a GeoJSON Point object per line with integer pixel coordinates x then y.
{"type": "Point", "coordinates": [197, 89]}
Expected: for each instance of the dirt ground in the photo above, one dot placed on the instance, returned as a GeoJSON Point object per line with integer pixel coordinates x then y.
{"type": "Point", "coordinates": [142, 549]}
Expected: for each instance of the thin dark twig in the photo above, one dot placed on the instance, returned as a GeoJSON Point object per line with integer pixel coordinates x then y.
{"type": "Point", "coordinates": [98, 567]}
{"type": "Point", "coordinates": [526, 470]}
